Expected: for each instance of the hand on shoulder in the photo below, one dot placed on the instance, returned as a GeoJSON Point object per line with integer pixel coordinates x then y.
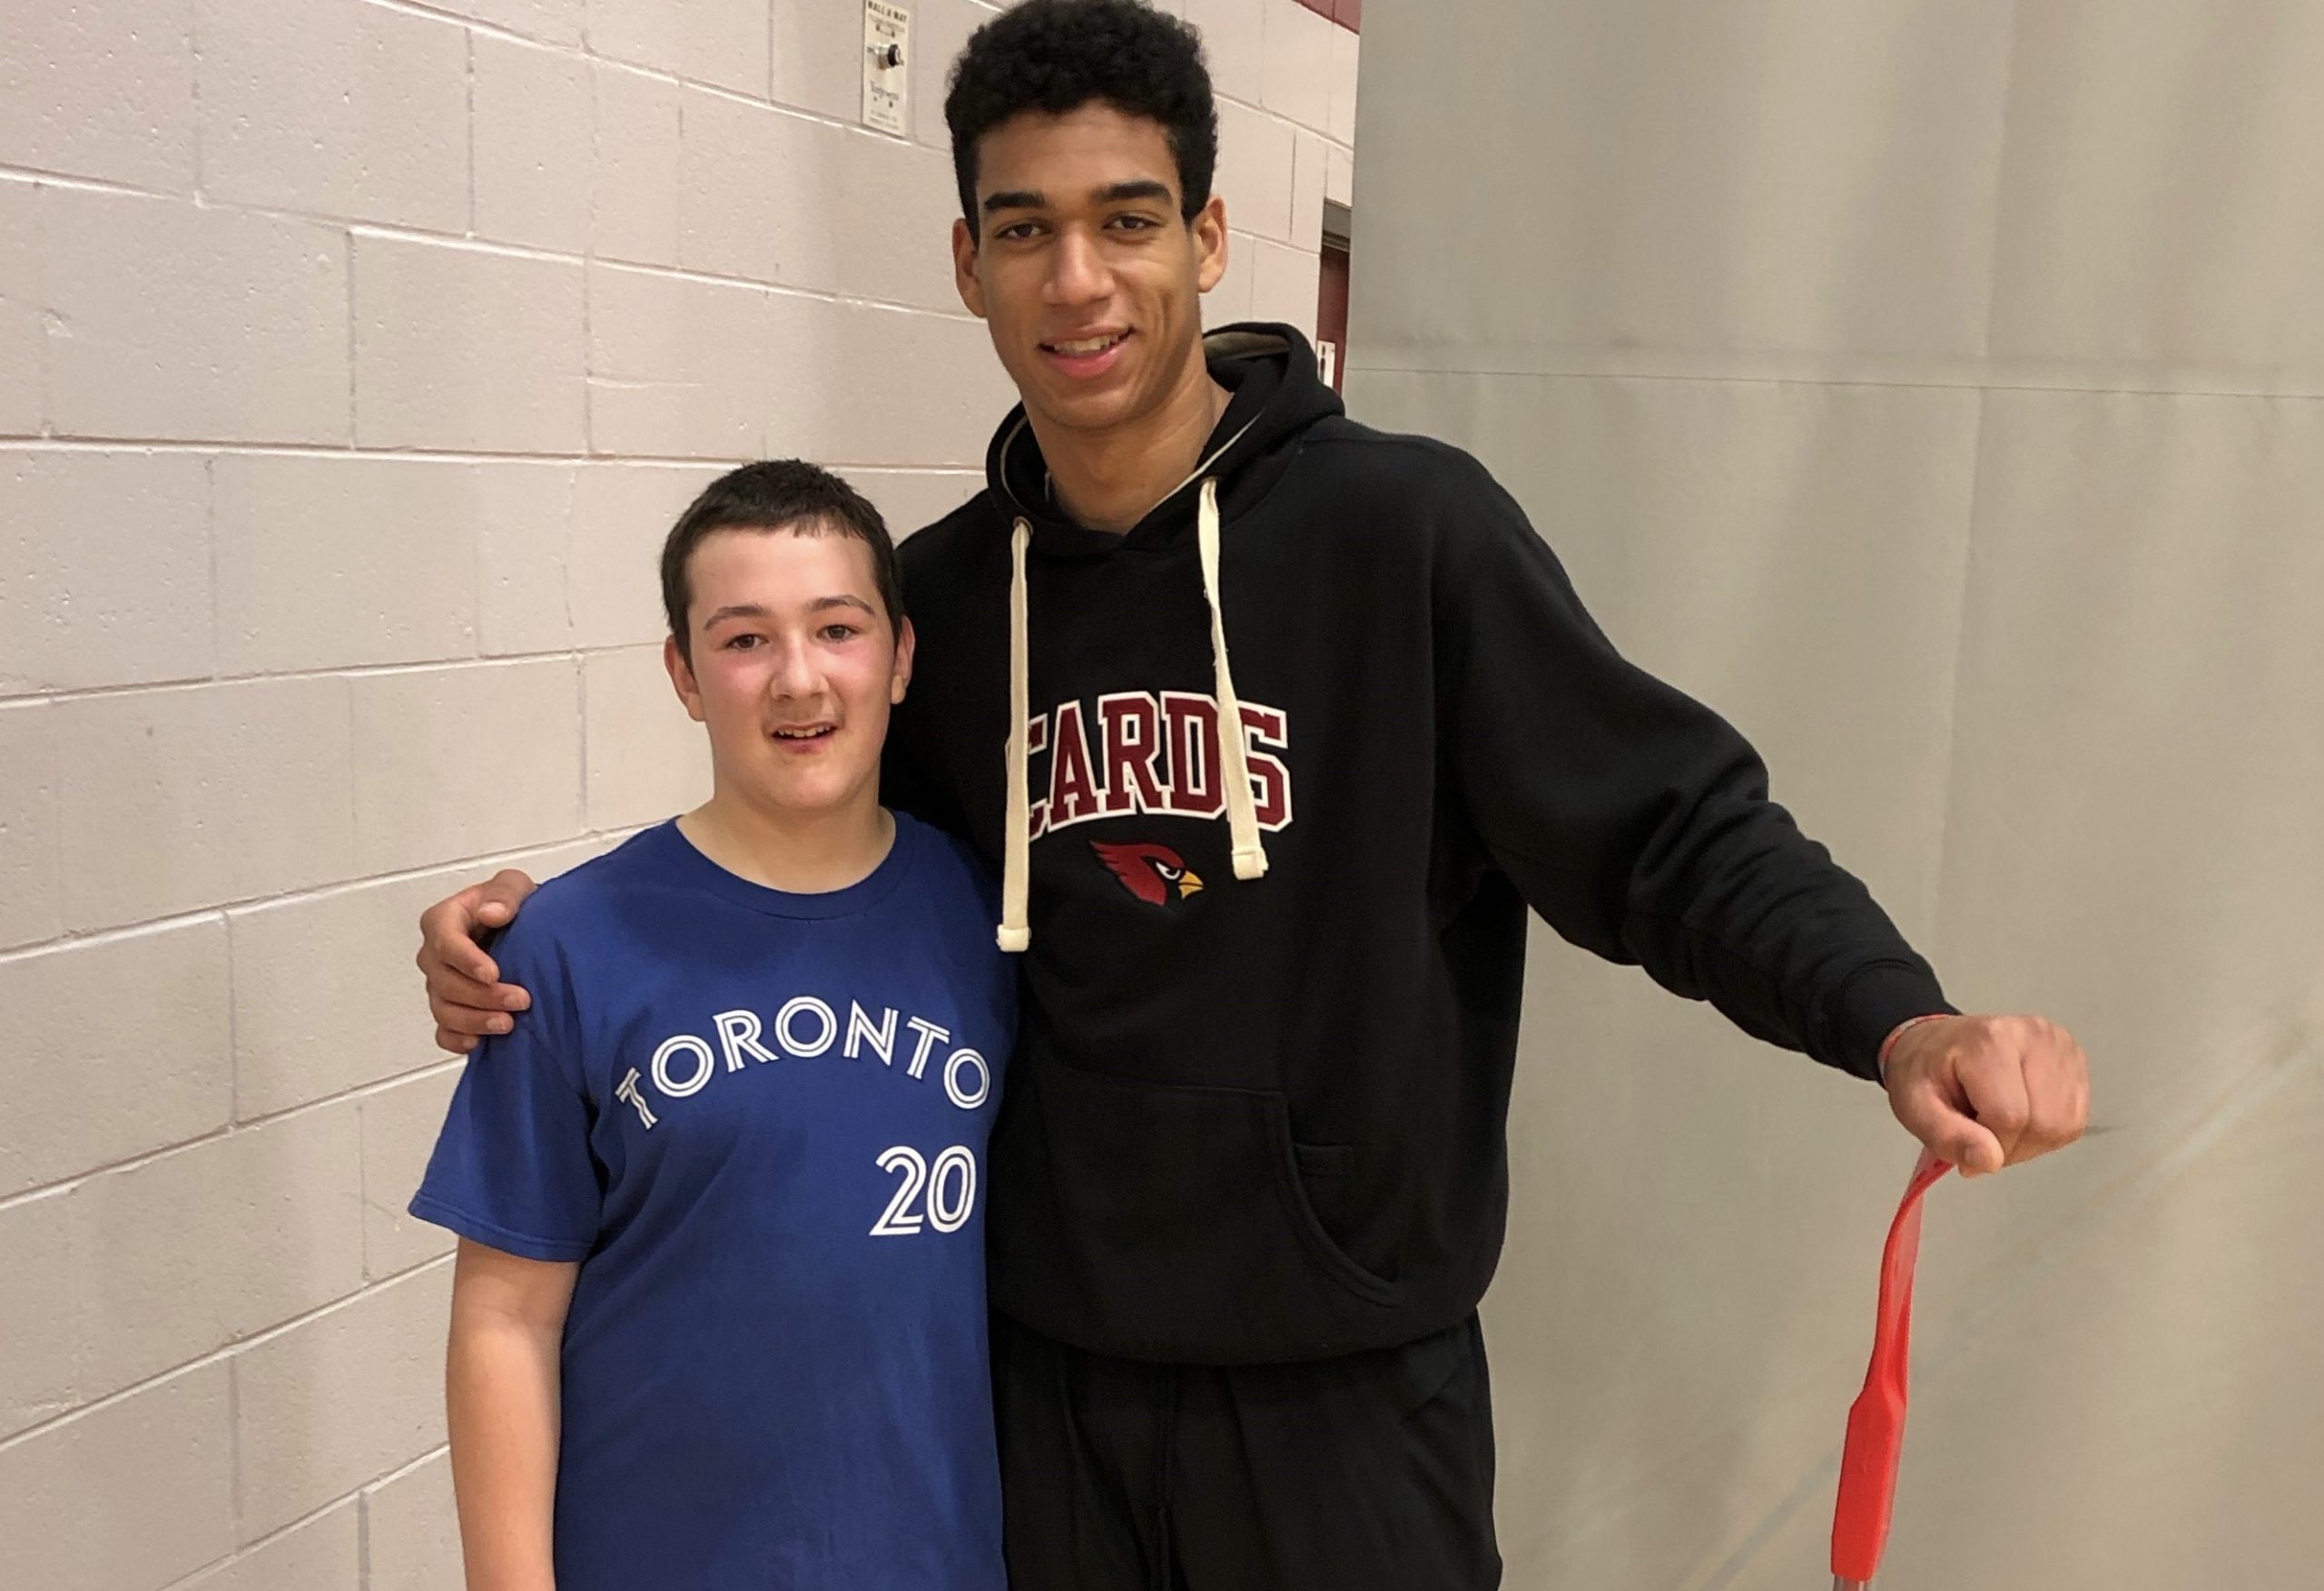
{"type": "Point", "coordinates": [465, 994]}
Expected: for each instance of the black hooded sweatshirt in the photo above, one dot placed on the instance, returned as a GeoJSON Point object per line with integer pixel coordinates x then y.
{"type": "Point", "coordinates": [1262, 1119]}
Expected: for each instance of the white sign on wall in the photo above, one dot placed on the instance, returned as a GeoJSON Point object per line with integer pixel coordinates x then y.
{"type": "Point", "coordinates": [886, 71]}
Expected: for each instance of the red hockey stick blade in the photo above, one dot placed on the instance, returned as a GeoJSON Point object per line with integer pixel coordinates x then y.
{"type": "Point", "coordinates": [1877, 1420]}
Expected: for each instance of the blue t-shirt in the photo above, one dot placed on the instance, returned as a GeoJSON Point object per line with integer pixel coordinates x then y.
{"type": "Point", "coordinates": [758, 1120]}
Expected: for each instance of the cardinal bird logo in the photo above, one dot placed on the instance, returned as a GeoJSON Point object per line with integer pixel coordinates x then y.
{"type": "Point", "coordinates": [1154, 873]}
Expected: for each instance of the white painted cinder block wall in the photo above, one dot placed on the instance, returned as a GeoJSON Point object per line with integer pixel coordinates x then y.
{"type": "Point", "coordinates": [354, 357]}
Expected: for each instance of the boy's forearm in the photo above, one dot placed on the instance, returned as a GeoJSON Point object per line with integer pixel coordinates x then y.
{"type": "Point", "coordinates": [501, 1386]}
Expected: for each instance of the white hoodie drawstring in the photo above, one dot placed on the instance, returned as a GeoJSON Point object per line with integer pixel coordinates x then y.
{"type": "Point", "coordinates": [1242, 812]}
{"type": "Point", "coordinates": [1016, 935]}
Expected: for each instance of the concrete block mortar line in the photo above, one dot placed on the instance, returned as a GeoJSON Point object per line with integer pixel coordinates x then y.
{"type": "Point", "coordinates": [469, 39]}
{"type": "Point", "coordinates": [227, 1353]}
{"type": "Point", "coordinates": [1281, 120]}
{"type": "Point", "coordinates": [103, 443]}
{"type": "Point", "coordinates": [359, 1496]}
{"type": "Point", "coordinates": [233, 1030]}
{"type": "Point", "coordinates": [347, 242]}
{"type": "Point", "coordinates": [363, 1537]}
{"type": "Point", "coordinates": [588, 305]}
{"type": "Point", "coordinates": [210, 541]}
{"type": "Point", "coordinates": [358, 227]}
{"type": "Point", "coordinates": [234, 1447]}
{"type": "Point", "coordinates": [581, 762]}
{"type": "Point", "coordinates": [42, 177]}
{"type": "Point", "coordinates": [89, 939]}
{"type": "Point", "coordinates": [423, 455]}
{"type": "Point", "coordinates": [348, 671]}
{"type": "Point", "coordinates": [474, 25]}
{"type": "Point", "coordinates": [401, 1470]}
{"type": "Point", "coordinates": [435, 1068]}
{"type": "Point", "coordinates": [194, 64]}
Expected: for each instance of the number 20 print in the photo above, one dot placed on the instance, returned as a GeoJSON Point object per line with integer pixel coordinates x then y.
{"type": "Point", "coordinates": [951, 1185]}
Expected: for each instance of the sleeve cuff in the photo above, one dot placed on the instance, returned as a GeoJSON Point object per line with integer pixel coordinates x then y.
{"type": "Point", "coordinates": [1868, 1008]}
{"type": "Point", "coordinates": [493, 1235]}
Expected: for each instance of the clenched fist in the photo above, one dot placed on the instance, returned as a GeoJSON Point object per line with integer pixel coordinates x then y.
{"type": "Point", "coordinates": [1986, 1092]}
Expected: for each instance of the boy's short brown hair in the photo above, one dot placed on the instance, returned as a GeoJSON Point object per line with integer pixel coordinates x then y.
{"type": "Point", "coordinates": [776, 494]}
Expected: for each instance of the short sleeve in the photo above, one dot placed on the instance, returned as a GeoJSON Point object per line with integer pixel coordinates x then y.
{"type": "Point", "coordinates": [513, 1169]}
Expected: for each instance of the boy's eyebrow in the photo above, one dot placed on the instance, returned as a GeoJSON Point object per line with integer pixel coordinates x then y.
{"type": "Point", "coordinates": [1112, 193]}
{"type": "Point", "coordinates": [753, 610]}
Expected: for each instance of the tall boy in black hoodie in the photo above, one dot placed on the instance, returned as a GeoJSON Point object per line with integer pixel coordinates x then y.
{"type": "Point", "coordinates": [1275, 726]}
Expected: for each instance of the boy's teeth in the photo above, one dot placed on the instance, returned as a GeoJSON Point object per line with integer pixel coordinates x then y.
{"type": "Point", "coordinates": [1087, 345]}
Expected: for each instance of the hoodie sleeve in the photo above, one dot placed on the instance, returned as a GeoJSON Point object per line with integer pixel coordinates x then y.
{"type": "Point", "coordinates": [1636, 820]}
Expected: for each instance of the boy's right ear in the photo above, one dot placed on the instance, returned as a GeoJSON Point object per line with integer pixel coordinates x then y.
{"type": "Point", "coordinates": [682, 677]}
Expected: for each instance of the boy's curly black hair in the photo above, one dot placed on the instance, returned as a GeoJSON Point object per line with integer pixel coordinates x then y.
{"type": "Point", "coordinates": [1058, 56]}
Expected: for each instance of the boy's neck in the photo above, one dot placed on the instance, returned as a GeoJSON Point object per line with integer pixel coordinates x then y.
{"type": "Point", "coordinates": [811, 853]}
{"type": "Point", "coordinates": [1111, 479]}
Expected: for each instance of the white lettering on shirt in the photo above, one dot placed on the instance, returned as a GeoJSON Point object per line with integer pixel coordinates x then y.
{"type": "Point", "coordinates": [804, 1028]}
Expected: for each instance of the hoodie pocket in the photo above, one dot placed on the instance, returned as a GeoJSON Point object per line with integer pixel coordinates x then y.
{"type": "Point", "coordinates": [1188, 1205]}
{"type": "Point", "coordinates": [1326, 1177]}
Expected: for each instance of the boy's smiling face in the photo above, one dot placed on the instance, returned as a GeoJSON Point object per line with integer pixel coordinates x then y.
{"type": "Point", "coordinates": [794, 664]}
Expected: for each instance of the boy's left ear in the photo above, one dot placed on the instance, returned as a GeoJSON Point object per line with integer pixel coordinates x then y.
{"type": "Point", "coordinates": [900, 675]}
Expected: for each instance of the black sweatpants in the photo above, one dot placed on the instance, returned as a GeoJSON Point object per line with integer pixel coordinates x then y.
{"type": "Point", "coordinates": [1368, 1473]}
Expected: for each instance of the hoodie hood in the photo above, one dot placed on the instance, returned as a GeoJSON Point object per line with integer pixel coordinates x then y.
{"type": "Point", "coordinates": [1277, 394]}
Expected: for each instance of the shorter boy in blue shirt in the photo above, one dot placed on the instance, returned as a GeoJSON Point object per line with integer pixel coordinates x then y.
{"type": "Point", "coordinates": [718, 1312]}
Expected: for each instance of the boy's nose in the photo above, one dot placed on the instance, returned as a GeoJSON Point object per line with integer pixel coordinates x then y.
{"type": "Point", "coordinates": [796, 675]}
